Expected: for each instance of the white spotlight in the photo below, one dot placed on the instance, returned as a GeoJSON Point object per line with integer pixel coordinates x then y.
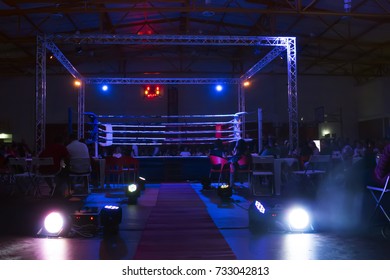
{"type": "Point", "coordinates": [132, 188]}
{"type": "Point", "coordinates": [298, 219]}
{"type": "Point", "coordinates": [54, 225]}
{"type": "Point", "coordinates": [132, 192]}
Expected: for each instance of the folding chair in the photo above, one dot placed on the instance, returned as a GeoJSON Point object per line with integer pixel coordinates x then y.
{"type": "Point", "coordinates": [113, 170]}
{"type": "Point", "coordinates": [20, 175]}
{"type": "Point", "coordinates": [378, 194]}
{"type": "Point", "coordinates": [130, 167]}
{"type": "Point", "coordinates": [220, 166]}
{"type": "Point", "coordinates": [79, 168]}
{"type": "Point", "coordinates": [244, 168]}
{"type": "Point", "coordinates": [263, 175]}
{"type": "Point", "coordinates": [42, 169]}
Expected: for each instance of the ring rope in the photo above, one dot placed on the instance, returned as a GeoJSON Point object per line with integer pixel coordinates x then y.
{"type": "Point", "coordinates": [116, 133]}
{"type": "Point", "coordinates": [167, 116]}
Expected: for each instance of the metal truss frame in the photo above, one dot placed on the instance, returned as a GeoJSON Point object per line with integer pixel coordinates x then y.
{"type": "Point", "coordinates": [49, 42]}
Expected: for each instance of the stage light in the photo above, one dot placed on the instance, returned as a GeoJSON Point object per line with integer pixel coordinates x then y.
{"type": "Point", "coordinates": [279, 217]}
{"type": "Point", "coordinates": [133, 191]}
{"type": "Point", "coordinates": [110, 218]}
{"type": "Point", "coordinates": [298, 219]}
{"type": "Point", "coordinates": [55, 224]}
{"type": "Point", "coordinates": [224, 191]}
{"type": "Point", "coordinates": [152, 91]}
{"type": "Point", "coordinates": [246, 84]}
{"type": "Point", "coordinates": [218, 88]}
{"type": "Point", "coordinates": [77, 83]}
{"type": "Point", "coordinates": [132, 188]}
{"type": "Point", "coordinates": [104, 88]}
{"type": "Point", "coordinates": [258, 219]}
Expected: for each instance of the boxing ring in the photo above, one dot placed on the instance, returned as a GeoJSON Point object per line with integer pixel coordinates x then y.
{"type": "Point", "coordinates": [165, 130]}
{"type": "Point", "coordinates": [169, 135]}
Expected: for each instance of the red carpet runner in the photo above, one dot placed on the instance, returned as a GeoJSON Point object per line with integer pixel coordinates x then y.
{"type": "Point", "coordinates": [179, 228]}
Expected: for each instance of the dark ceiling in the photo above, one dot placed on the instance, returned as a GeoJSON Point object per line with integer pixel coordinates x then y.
{"type": "Point", "coordinates": [337, 37]}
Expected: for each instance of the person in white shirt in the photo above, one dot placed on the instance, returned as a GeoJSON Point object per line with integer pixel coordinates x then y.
{"type": "Point", "coordinates": [77, 149]}
{"type": "Point", "coordinates": [79, 159]}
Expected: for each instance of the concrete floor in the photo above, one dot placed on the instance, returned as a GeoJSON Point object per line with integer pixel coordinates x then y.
{"type": "Point", "coordinates": [20, 221]}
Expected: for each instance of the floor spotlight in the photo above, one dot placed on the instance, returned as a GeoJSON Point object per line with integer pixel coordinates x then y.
{"type": "Point", "coordinates": [279, 217]}
{"type": "Point", "coordinates": [132, 192]}
{"type": "Point", "coordinates": [110, 218]}
{"type": "Point", "coordinates": [298, 219]}
{"type": "Point", "coordinates": [55, 224]}
{"type": "Point", "coordinates": [258, 219]}
{"type": "Point", "coordinates": [224, 191]}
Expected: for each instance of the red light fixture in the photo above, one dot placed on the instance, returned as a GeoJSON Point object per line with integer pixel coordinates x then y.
{"type": "Point", "coordinates": [152, 91]}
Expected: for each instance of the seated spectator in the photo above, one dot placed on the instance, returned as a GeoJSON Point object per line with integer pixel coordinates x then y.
{"type": "Point", "coordinates": [359, 150]}
{"type": "Point", "coordinates": [117, 153]}
{"type": "Point", "coordinates": [156, 149]}
{"type": "Point", "coordinates": [185, 152]}
{"type": "Point", "coordinates": [325, 147]}
{"type": "Point", "coordinates": [240, 150]}
{"type": "Point", "coordinates": [271, 149]}
{"type": "Point", "coordinates": [382, 169]}
{"type": "Point", "coordinates": [76, 148]}
{"type": "Point", "coordinates": [218, 149]}
{"type": "Point", "coordinates": [134, 151]}
{"type": "Point", "coordinates": [314, 148]}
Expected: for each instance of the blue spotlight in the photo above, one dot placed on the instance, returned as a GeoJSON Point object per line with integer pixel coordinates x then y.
{"type": "Point", "coordinates": [219, 88]}
{"type": "Point", "coordinates": [104, 87]}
